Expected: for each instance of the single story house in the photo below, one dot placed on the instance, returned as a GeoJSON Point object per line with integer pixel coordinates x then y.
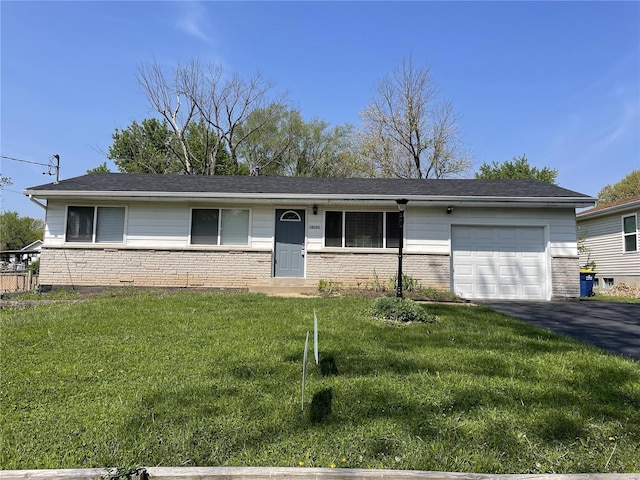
{"type": "Point", "coordinates": [20, 259]}
{"type": "Point", "coordinates": [610, 235]}
{"type": "Point", "coordinates": [483, 239]}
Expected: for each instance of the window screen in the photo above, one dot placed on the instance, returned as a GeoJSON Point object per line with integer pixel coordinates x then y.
{"type": "Point", "coordinates": [110, 225]}
{"type": "Point", "coordinates": [234, 227]}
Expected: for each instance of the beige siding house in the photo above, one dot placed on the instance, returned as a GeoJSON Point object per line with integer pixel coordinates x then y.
{"type": "Point", "coordinates": [611, 237]}
{"type": "Point", "coordinates": [483, 239]}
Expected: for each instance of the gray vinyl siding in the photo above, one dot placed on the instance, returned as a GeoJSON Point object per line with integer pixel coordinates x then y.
{"type": "Point", "coordinates": [603, 240]}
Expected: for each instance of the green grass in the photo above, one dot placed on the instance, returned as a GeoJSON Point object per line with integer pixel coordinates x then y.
{"type": "Point", "coordinates": [156, 379]}
{"type": "Point", "coordinates": [606, 298]}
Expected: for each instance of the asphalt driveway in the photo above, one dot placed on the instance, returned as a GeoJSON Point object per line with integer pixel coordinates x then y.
{"type": "Point", "coordinates": [611, 326]}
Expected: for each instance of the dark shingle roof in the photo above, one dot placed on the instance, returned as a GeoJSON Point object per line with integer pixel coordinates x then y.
{"type": "Point", "coordinates": [606, 206]}
{"type": "Point", "coordinates": [264, 185]}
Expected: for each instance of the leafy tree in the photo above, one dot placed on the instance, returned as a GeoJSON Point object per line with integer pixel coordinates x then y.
{"type": "Point", "coordinates": [152, 147]}
{"type": "Point", "coordinates": [17, 232]}
{"type": "Point", "coordinates": [289, 145]}
{"type": "Point", "coordinates": [519, 168]}
{"type": "Point", "coordinates": [201, 93]}
{"type": "Point", "coordinates": [145, 148]}
{"type": "Point", "coordinates": [628, 187]}
{"type": "Point", "coordinates": [5, 182]}
{"type": "Point", "coordinates": [99, 169]}
{"type": "Point", "coordinates": [408, 132]}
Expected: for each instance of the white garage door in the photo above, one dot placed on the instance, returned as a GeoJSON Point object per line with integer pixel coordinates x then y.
{"type": "Point", "coordinates": [506, 263]}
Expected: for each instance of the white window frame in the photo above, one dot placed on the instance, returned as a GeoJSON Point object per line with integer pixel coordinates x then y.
{"type": "Point", "coordinates": [343, 228]}
{"type": "Point", "coordinates": [94, 226]}
{"type": "Point", "coordinates": [219, 229]}
{"type": "Point", "coordinates": [625, 235]}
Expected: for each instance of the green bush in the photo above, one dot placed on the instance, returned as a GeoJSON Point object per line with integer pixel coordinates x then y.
{"type": "Point", "coordinates": [400, 310]}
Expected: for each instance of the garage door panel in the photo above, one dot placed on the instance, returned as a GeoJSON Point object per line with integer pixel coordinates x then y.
{"type": "Point", "coordinates": [464, 270]}
{"type": "Point", "coordinates": [531, 271]}
{"type": "Point", "coordinates": [532, 290]}
{"type": "Point", "coordinates": [485, 290]}
{"type": "Point", "coordinates": [499, 262]}
{"type": "Point", "coordinates": [509, 290]}
{"type": "Point", "coordinates": [485, 271]}
{"type": "Point", "coordinates": [508, 271]}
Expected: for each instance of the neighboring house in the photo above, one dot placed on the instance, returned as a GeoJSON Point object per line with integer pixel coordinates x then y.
{"type": "Point", "coordinates": [20, 259]}
{"type": "Point", "coordinates": [610, 236]}
{"type": "Point", "coordinates": [484, 239]}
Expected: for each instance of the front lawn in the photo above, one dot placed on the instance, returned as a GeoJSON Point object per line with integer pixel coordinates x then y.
{"type": "Point", "coordinates": [156, 379]}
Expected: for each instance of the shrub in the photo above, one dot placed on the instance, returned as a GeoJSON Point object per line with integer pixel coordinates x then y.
{"type": "Point", "coordinates": [400, 310]}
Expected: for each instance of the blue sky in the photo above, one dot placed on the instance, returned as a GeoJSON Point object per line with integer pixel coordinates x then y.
{"type": "Point", "coordinates": [557, 81]}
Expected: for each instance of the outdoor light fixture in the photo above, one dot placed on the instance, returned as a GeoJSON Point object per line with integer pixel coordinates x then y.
{"type": "Point", "coordinates": [315, 209]}
{"type": "Point", "coordinates": [449, 210]}
{"type": "Point", "coordinates": [402, 204]}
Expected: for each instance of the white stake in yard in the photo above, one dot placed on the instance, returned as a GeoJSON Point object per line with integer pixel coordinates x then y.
{"type": "Point", "coordinates": [304, 366]}
{"type": "Point", "coordinates": [315, 336]}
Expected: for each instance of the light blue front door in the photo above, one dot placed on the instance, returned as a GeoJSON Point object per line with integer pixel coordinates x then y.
{"type": "Point", "coordinates": [289, 253]}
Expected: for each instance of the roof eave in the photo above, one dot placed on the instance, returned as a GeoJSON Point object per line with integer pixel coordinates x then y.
{"type": "Point", "coordinates": [258, 197]}
{"type": "Point", "coordinates": [608, 211]}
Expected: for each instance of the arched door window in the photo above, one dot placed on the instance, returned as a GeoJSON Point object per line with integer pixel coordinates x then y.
{"type": "Point", "coordinates": [290, 216]}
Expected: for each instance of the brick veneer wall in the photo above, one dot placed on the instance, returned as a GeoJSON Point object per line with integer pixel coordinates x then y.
{"type": "Point", "coordinates": [363, 269]}
{"type": "Point", "coordinates": [162, 268]}
{"type": "Point", "coordinates": [191, 268]}
{"type": "Point", "coordinates": [565, 277]}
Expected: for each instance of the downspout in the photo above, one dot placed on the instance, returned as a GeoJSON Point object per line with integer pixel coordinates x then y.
{"type": "Point", "coordinates": [37, 202]}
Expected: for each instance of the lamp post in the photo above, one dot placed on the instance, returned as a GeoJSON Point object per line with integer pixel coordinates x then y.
{"type": "Point", "coordinates": [402, 203]}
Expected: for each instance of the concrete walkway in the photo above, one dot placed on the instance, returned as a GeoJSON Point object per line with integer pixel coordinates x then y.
{"type": "Point", "coordinates": [614, 327]}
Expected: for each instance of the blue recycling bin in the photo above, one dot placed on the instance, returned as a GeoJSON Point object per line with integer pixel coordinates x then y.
{"type": "Point", "coordinates": [586, 283]}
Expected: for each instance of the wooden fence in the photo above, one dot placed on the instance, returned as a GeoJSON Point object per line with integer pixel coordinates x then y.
{"type": "Point", "coordinates": [18, 282]}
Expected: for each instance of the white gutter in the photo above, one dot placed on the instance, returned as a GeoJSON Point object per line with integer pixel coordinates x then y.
{"type": "Point", "coordinates": [42, 205]}
{"type": "Point", "coordinates": [258, 197]}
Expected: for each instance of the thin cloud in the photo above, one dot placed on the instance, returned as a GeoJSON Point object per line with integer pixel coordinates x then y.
{"type": "Point", "coordinates": [193, 21]}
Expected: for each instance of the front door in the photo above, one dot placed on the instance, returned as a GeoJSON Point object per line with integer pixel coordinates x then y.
{"type": "Point", "coordinates": [289, 252]}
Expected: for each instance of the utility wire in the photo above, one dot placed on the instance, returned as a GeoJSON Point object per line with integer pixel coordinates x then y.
{"type": "Point", "coordinates": [24, 161]}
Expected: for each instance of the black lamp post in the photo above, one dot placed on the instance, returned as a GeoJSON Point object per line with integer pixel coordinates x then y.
{"type": "Point", "coordinates": [402, 203]}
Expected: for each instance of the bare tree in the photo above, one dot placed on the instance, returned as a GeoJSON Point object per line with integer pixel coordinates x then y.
{"type": "Point", "coordinates": [408, 132]}
{"type": "Point", "coordinates": [201, 95]}
{"type": "Point", "coordinates": [227, 104]}
{"type": "Point", "coordinates": [173, 101]}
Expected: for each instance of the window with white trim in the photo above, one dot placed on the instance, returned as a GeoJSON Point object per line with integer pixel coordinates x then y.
{"type": "Point", "coordinates": [95, 224]}
{"type": "Point", "coordinates": [361, 229]}
{"type": "Point", "coordinates": [630, 233]}
{"type": "Point", "coordinates": [219, 226]}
